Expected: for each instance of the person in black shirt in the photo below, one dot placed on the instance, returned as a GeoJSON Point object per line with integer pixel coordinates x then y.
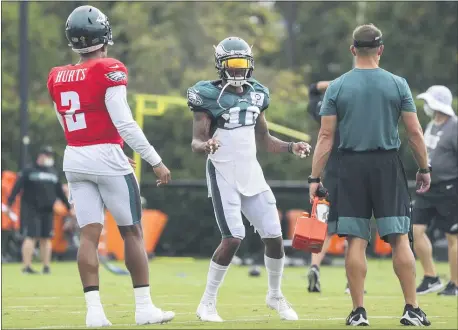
{"type": "Point", "coordinates": [40, 188]}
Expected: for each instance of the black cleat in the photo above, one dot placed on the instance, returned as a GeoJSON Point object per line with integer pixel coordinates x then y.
{"type": "Point", "coordinates": [314, 279]}
{"type": "Point", "coordinates": [450, 290]}
{"type": "Point", "coordinates": [28, 270]}
{"type": "Point", "coordinates": [414, 316]}
{"type": "Point", "coordinates": [429, 284]}
{"type": "Point", "coordinates": [46, 270]}
{"type": "Point", "coordinates": [357, 317]}
{"type": "Point", "coordinates": [254, 272]}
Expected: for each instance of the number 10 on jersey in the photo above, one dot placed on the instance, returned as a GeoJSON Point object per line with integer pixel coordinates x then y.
{"type": "Point", "coordinates": [235, 119]}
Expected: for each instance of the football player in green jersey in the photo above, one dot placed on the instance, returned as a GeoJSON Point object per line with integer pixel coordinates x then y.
{"type": "Point", "coordinates": [229, 123]}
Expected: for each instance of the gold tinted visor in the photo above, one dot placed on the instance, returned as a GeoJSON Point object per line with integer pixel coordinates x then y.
{"type": "Point", "coordinates": [236, 63]}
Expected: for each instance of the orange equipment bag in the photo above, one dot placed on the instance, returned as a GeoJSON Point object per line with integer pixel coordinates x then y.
{"type": "Point", "coordinates": [310, 231]}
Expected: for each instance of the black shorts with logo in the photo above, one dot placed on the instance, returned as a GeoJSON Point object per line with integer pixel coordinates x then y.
{"type": "Point", "coordinates": [438, 205]}
{"type": "Point", "coordinates": [36, 223]}
{"type": "Point", "coordinates": [372, 183]}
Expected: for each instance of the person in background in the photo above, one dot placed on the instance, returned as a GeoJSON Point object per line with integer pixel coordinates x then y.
{"type": "Point", "coordinates": [316, 92]}
{"type": "Point", "coordinates": [8, 221]}
{"type": "Point", "coordinates": [40, 187]}
{"type": "Point", "coordinates": [441, 201]}
{"type": "Point", "coordinates": [70, 225]}
{"type": "Point", "coordinates": [255, 249]}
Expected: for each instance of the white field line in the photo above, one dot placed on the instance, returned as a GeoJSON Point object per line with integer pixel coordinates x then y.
{"type": "Point", "coordinates": [179, 303]}
{"type": "Point", "coordinates": [82, 297]}
{"type": "Point", "coordinates": [343, 297]}
{"type": "Point", "coordinates": [20, 308]}
{"type": "Point", "coordinates": [244, 319]}
{"type": "Point", "coordinates": [346, 297]}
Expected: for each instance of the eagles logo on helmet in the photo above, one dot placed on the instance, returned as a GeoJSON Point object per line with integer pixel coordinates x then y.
{"type": "Point", "coordinates": [88, 29]}
{"type": "Point", "coordinates": [234, 61]}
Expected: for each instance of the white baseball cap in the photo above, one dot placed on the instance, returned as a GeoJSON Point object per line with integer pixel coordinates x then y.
{"type": "Point", "coordinates": [439, 98]}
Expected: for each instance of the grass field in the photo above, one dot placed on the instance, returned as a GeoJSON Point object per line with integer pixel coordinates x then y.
{"type": "Point", "coordinates": [56, 300]}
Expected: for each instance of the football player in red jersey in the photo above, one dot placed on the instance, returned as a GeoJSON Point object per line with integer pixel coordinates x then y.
{"type": "Point", "coordinates": [91, 105]}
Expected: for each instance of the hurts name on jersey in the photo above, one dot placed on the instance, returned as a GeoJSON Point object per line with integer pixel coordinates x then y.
{"type": "Point", "coordinates": [71, 75]}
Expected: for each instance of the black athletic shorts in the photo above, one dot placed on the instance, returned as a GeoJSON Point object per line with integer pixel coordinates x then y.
{"type": "Point", "coordinates": [372, 183]}
{"type": "Point", "coordinates": [36, 223]}
{"type": "Point", "coordinates": [440, 204]}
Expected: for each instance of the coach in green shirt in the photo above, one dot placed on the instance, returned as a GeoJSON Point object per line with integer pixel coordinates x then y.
{"type": "Point", "coordinates": [366, 104]}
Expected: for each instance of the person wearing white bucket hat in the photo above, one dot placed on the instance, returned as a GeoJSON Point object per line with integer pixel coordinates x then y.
{"type": "Point", "coordinates": [441, 201]}
{"type": "Point", "coordinates": [438, 99]}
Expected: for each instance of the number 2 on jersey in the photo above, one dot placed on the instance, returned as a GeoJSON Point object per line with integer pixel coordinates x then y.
{"type": "Point", "coordinates": [74, 121]}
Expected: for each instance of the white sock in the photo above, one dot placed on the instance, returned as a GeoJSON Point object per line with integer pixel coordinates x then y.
{"type": "Point", "coordinates": [214, 279]}
{"type": "Point", "coordinates": [142, 297]}
{"type": "Point", "coordinates": [93, 299]}
{"type": "Point", "coordinates": [274, 273]}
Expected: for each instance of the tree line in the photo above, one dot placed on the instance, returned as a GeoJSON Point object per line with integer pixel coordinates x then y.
{"type": "Point", "coordinates": [167, 47]}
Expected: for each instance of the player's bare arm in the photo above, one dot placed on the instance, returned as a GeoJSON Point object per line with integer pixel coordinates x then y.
{"type": "Point", "coordinates": [324, 144]}
{"type": "Point", "coordinates": [201, 141]}
{"type": "Point", "coordinates": [416, 138]}
{"type": "Point", "coordinates": [418, 147]}
{"type": "Point", "coordinates": [322, 151]}
{"type": "Point", "coordinates": [322, 85]}
{"type": "Point", "coordinates": [272, 144]}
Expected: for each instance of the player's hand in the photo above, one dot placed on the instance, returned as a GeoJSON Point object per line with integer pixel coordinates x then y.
{"type": "Point", "coordinates": [423, 182]}
{"type": "Point", "coordinates": [313, 190]}
{"type": "Point", "coordinates": [5, 208]}
{"type": "Point", "coordinates": [211, 146]}
{"type": "Point", "coordinates": [302, 149]}
{"type": "Point", "coordinates": [132, 162]}
{"type": "Point", "coordinates": [163, 174]}
{"type": "Point", "coordinates": [68, 226]}
{"type": "Point", "coordinates": [72, 213]}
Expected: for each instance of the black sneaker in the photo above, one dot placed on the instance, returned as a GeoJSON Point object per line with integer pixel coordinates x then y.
{"type": "Point", "coordinates": [46, 270]}
{"type": "Point", "coordinates": [347, 289]}
{"type": "Point", "coordinates": [314, 279]}
{"type": "Point", "coordinates": [254, 272]}
{"type": "Point", "coordinates": [429, 284]}
{"type": "Point", "coordinates": [414, 316]}
{"type": "Point", "coordinates": [357, 317]}
{"type": "Point", "coordinates": [450, 290]}
{"type": "Point", "coordinates": [28, 270]}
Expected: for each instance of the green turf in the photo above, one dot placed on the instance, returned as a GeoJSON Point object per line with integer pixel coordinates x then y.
{"type": "Point", "coordinates": [56, 300]}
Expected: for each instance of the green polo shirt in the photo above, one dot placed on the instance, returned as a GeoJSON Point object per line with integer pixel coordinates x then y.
{"type": "Point", "coordinates": [368, 104]}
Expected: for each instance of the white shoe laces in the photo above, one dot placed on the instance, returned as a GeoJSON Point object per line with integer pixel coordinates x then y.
{"type": "Point", "coordinates": [282, 304]}
{"type": "Point", "coordinates": [211, 307]}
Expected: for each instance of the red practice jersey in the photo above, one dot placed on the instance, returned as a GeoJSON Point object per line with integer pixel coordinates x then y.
{"type": "Point", "coordinates": [78, 91]}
